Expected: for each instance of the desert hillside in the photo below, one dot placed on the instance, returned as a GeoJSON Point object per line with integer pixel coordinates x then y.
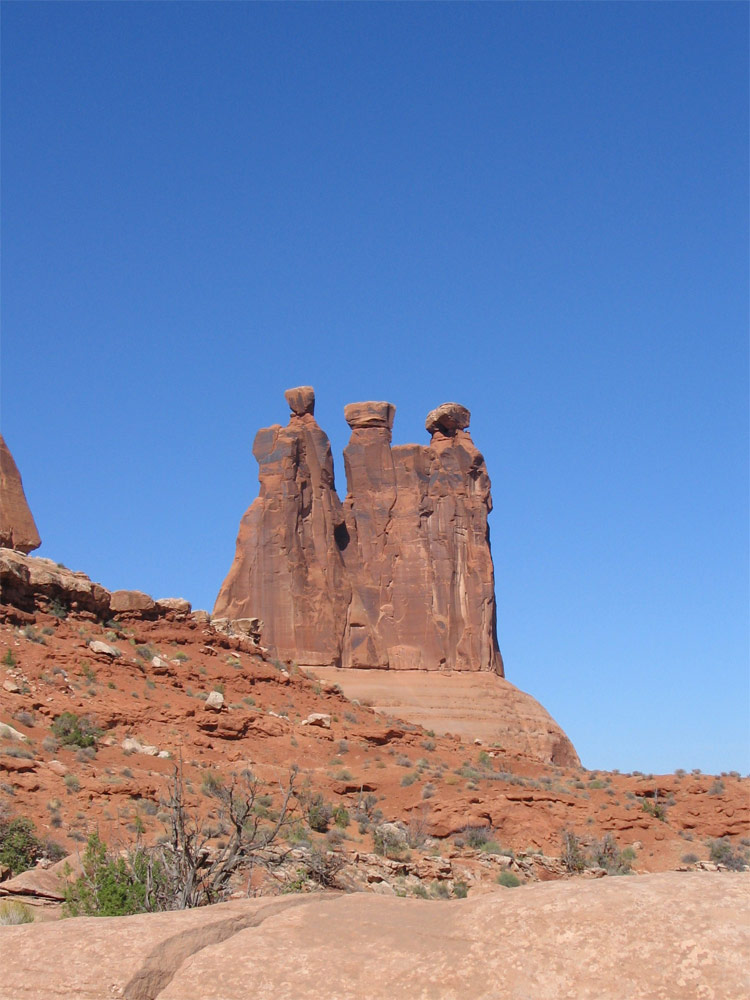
{"type": "Point", "coordinates": [402, 808]}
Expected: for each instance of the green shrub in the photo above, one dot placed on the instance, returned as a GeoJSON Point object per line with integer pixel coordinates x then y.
{"type": "Point", "coordinates": [71, 730]}
{"type": "Point", "coordinates": [9, 659]}
{"type": "Point", "coordinates": [20, 848]}
{"type": "Point", "coordinates": [341, 817]}
{"type": "Point", "coordinates": [508, 879]}
{"type": "Point", "coordinates": [109, 886]}
{"type": "Point", "coordinates": [319, 813]}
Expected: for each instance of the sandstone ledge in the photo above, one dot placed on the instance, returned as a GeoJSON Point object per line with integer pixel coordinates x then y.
{"type": "Point", "coordinates": [671, 935]}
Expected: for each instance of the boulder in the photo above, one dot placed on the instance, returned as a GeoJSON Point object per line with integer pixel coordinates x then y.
{"type": "Point", "coordinates": [318, 719]}
{"type": "Point", "coordinates": [215, 701]}
{"type": "Point", "coordinates": [131, 601]}
{"type": "Point", "coordinates": [371, 414]}
{"type": "Point", "coordinates": [17, 527]}
{"type": "Point", "coordinates": [173, 605]}
{"type": "Point", "coordinates": [448, 418]}
{"type": "Point", "coordinates": [104, 648]}
{"type": "Point", "coordinates": [301, 400]}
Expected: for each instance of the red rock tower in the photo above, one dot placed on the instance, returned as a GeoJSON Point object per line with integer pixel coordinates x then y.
{"type": "Point", "coordinates": [17, 527]}
{"type": "Point", "coordinates": [399, 576]}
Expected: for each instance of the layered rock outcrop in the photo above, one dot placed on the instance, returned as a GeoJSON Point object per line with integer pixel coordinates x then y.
{"type": "Point", "coordinates": [399, 576]}
{"type": "Point", "coordinates": [17, 527]}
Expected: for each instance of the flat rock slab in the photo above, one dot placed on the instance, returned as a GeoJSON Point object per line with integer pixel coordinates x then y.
{"type": "Point", "coordinates": [679, 936]}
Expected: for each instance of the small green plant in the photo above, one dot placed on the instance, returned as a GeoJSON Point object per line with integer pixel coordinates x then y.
{"type": "Point", "coordinates": [71, 730]}
{"type": "Point", "coordinates": [656, 809]}
{"type": "Point", "coordinates": [9, 659]}
{"type": "Point", "coordinates": [460, 890]}
{"type": "Point", "coordinates": [58, 609]}
{"type": "Point", "coordinates": [341, 816]}
{"type": "Point", "coordinates": [509, 880]}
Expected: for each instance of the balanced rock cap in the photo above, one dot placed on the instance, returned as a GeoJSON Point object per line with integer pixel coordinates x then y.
{"type": "Point", "coordinates": [301, 400]}
{"type": "Point", "coordinates": [448, 417]}
{"type": "Point", "coordinates": [370, 414]}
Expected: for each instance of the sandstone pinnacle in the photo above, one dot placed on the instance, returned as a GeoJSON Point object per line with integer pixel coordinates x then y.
{"type": "Point", "coordinates": [17, 528]}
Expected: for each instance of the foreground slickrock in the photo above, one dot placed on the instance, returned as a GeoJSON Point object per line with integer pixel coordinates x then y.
{"type": "Point", "coordinates": [397, 577]}
{"type": "Point", "coordinates": [677, 936]}
{"type": "Point", "coordinates": [17, 526]}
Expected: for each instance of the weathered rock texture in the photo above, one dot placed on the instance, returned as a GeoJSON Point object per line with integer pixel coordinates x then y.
{"type": "Point", "coordinates": [17, 527]}
{"type": "Point", "coordinates": [674, 935]}
{"type": "Point", "coordinates": [29, 583]}
{"type": "Point", "coordinates": [397, 577]}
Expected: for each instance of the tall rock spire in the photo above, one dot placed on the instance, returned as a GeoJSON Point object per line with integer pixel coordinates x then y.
{"type": "Point", "coordinates": [17, 528]}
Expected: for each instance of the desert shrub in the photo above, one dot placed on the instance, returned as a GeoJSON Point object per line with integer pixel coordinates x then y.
{"type": "Point", "coordinates": [319, 813]}
{"type": "Point", "coordinates": [460, 890]}
{"type": "Point", "coordinates": [689, 859]}
{"type": "Point", "coordinates": [389, 841]}
{"type": "Point", "coordinates": [476, 836]}
{"type": "Point", "coordinates": [606, 854]}
{"type": "Point", "coordinates": [58, 609]}
{"type": "Point", "coordinates": [71, 782]}
{"type": "Point", "coordinates": [440, 890]}
{"type": "Point", "coordinates": [408, 779]}
{"type": "Point", "coordinates": [723, 853]}
{"type": "Point", "coordinates": [341, 816]}
{"type": "Point", "coordinates": [20, 848]}
{"type": "Point", "coordinates": [110, 886]}
{"type": "Point", "coordinates": [72, 730]}
{"type": "Point", "coordinates": [509, 880]}
{"type": "Point", "coordinates": [717, 788]}
{"type": "Point", "coordinates": [14, 913]}
{"type": "Point", "coordinates": [9, 659]}
{"type": "Point", "coordinates": [656, 809]}
{"type": "Point", "coordinates": [572, 852]}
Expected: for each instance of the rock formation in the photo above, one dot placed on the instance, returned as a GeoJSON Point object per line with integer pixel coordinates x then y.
{"type": "Point", "coordinates": [288, 570]}
{"type": "Point", "coordinates": [399, 576]}
{"type": "Point", "coordinates": [17, 527]}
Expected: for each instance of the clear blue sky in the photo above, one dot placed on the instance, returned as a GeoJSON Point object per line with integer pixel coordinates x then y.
{"type": "Point", "coordinates": [537, 210]}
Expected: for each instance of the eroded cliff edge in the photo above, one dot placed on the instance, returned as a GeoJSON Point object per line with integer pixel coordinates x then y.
{"type": "Point", "coordinates": [399, 576]}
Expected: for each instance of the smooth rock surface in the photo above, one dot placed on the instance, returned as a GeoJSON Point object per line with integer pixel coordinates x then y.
{"type": "Point", "coordinates": [17, 526]}
{"type": "Point", "coordinates": [658, 937]}
{"type": "Point", "coordinates": [474, 706]}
